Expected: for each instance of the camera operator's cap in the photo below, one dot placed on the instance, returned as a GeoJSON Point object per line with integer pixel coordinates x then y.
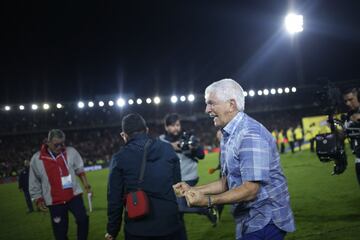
{"type": "Point", "coordinates": [132, 123]}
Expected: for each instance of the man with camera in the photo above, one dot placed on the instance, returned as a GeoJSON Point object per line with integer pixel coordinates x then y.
{"type": "Point", "coordinates": [352, 101]}
{"type": "Point", "coordinates": [189, 151]}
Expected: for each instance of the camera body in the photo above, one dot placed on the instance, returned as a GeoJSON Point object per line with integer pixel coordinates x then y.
{"type": "Point", "coordinates": [330, 146]}
{"type": "Point", "coordinates": [187, 140]}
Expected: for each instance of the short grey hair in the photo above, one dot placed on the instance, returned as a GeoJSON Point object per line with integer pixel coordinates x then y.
{"type": "Point", "coordinates": [56, 133]}
{"type": "Point", "coordinates": [227, 89]}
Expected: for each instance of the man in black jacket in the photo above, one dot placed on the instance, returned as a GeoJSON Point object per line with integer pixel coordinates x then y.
{"type": "Point", "coordinates": [24, 185]}
{"type": "Point", "coordinates": [161, 172]}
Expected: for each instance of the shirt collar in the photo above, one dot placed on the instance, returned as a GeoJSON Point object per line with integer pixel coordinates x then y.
{"type": "Point", "coordinates": [138, 137]}
{"type": "Point", "coordinates": [231, 126]}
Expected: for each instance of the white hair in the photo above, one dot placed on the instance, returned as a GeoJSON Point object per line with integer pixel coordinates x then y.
{"type": "Point", "coordinates": [227, 89]}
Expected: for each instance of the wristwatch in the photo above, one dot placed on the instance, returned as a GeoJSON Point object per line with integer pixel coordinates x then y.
{"type": "Point", "coordinates": [209, 201]}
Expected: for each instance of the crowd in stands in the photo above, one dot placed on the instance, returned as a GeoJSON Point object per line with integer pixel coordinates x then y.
{"type": "Point", "coordinates": [95, 132]}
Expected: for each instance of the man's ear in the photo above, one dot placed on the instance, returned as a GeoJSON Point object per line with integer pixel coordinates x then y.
{"type": "Point", "coordinates": [233, 106]}
{"type": "Point", "coordinates": [124, 136]}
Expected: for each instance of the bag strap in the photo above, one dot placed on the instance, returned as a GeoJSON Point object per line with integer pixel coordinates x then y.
{"type": "Point", "coordinates": [143, 163]}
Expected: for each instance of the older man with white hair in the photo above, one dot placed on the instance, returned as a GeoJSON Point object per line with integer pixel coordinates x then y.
{"type": "Point", "coordinates": [253, 180]}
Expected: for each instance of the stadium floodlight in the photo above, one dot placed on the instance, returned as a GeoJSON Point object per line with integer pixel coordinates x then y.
{"type": "Point", "coordinates": [34, 107]}
{"type": "Point", "coordinates": [279, 90]}
{"type": "Point", "coordinates": [293, 89]}
{"type": "Point", "coordinates": [273, 91]}
{"type": "Point", "coordinates": [286, 90]}
{"type": "Point", "coordinates": [46, 106]}
{"type": "Point", "coordinates": [148, 100]}
{"type": "Point", "coordinates": [251, 93]}
{"type": "Point", "coordinates": [59, 105]}
{"type": "Point", "coordinates": [183, 98]}
{"type": "Point", "coordinates": [22, 107]}
{"type": "Point", "coordinates": [91, 104]}
{"type": "Point", "coordinates": [174, 99]}
{"type": "Point", "coordinates": [294, 23]}
{"type": "Point", "coordinates": [101, 103]}
{"type": "Point", "coordinates": [81, 104]}
{"type": "Point", "coordinates": [191, 97]}
{"type": "Point", "coordinates": [130, 102]}
{"type": "Point", "coordinates": [259, 92]}
{"type": "Point", "coordinates": [120, 102]}
{"type": "Point", "coordinates": [245, 93]}
{"type": "Point", "coordinates": [157, 100]}
{"type": "Point", "coordinates": [139, 101]}
{"type": "Point", "coordinates": [111, 103]}
{"type": "Point", "coordinates": [7, 108]}
{"type": "Point", "coordinates": [266, 92]}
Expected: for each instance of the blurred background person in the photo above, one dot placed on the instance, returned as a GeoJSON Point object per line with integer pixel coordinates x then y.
{"type": "Point", "coordinates": [24, 185]}
{"type": "Point", "coordinates": [352, 101]}
{"type": "Point", "coordinates": [299, 136]}
{"type": "Point", "coordinates": [291, 139]}
{"type": "Point", "coordinates": [281, 140]}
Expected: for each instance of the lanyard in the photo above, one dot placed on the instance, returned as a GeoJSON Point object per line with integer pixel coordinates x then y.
{"type": "Point", "coordinates": [63, 157]}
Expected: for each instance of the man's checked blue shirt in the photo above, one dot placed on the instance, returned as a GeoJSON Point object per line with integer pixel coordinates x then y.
{"type": "Point", "coordinates": [249, 153]}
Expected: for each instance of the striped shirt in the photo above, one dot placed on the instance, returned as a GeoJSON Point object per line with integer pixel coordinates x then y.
{"type": "Point", "coordinates": [249, 153]}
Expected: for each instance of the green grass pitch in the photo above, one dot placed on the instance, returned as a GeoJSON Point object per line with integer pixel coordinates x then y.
{"type": "Point", "coordinates": [325, 206]}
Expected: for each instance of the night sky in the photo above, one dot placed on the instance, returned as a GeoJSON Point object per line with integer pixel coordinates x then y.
{"type": "Point", "coordinates": [71, 50]}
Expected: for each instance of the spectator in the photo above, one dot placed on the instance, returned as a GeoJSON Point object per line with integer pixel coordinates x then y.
{"type": "Point", "coordinates": [24, 185]}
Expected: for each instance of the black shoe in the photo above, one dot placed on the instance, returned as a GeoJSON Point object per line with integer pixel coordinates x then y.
{"type": "Point", "coordinates": [213, 215]}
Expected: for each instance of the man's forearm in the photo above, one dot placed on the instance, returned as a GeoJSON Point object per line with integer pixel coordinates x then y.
{"type": "Point", "coordinates": [246, 192]}
{"type": "Point", "coordinates": [84, 181]}
{"type": "Point", "coordinates": [216, 187]}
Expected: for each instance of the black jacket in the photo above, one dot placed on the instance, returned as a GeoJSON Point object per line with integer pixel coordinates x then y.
{"type": "Point", "coordinates": [161, 172]}
{"type": "Point", "coordinates": [24, 179]}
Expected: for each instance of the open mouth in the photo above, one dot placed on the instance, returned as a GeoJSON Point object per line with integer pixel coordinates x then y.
{"type": "Point", "coordinates": [212, 115]}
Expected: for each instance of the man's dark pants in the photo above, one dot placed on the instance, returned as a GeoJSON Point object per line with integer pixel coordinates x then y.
{"type": "Point", "coordinates": [60, 218]}
{"type": "Point", "coordinates": [173, 236]}
{"type": "Point", "coordinates": [28, 200]}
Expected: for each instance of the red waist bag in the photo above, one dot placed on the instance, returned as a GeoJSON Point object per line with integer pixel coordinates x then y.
{"type": "Point", "coordinates": [137, 202]}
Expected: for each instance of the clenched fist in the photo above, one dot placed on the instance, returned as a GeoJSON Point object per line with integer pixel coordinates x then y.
{"type": "Point", "coordinates": [195, 198]}
{"type": "Point", "coordinates": [181, 188]}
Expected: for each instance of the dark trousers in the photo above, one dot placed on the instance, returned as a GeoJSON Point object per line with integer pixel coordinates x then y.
{"type": "Point", "coordinates": [357, 169]}
{"type": "Point", "coordinates": [183, 207]}
{"type": "Point", "coordinates": [173, 236]}
{"type": "Point", "coordinates": [28, 201]}
{"type": "Point", "coordinates": [312, 144]}
{"type": "Point", "coordinates": [60, 218]}
{"type": "Point", "coordinates": [292, 146]}
{"type": "Point", "coordinates": [282, 147]}
{"type": "Point", "coordinates": [269, 232]}
{"type": "Point", "coordinates": [300, 141]}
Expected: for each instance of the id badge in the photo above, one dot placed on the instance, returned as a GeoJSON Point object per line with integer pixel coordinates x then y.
{"type": "Point", "coordinates": [66, 182]}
